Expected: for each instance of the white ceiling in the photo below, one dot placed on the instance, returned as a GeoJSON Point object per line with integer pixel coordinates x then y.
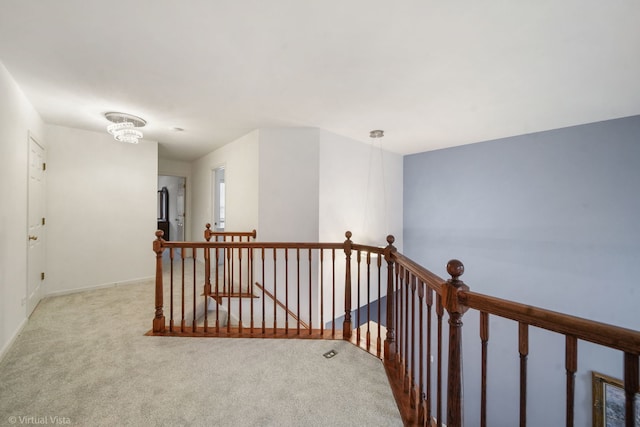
{"type": "Point", "coordinates": [431, 73]}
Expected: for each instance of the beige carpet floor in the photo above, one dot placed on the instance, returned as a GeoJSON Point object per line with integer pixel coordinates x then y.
{"type": "Point", "coordinates": [83, 360]}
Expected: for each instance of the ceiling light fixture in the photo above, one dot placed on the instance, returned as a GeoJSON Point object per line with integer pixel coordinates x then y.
{"type": "Point", "coordinates": [124, 127]}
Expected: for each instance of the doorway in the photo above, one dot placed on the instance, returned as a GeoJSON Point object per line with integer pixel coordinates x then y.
{"type": "Point", "coordinates": [36, 222]}
{"type": "Point", "coordinates": [171, 206]}
{"type": "Point", "coordinates": [218, 196]}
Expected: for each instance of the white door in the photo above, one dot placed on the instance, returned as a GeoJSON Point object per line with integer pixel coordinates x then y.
{"type": "Point", "coordinates": [219, 211]}
{"type": "Point", "coordinates": [180, 205]}
{"type": "Point", "coordinates": [35, 232]}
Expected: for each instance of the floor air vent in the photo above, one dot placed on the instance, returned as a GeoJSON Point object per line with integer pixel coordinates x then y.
{"type": "Point", "coordinates": [329, 354]}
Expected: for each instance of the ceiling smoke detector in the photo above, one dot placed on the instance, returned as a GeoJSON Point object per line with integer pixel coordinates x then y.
{"type": "Point", "coordinates": [123, 127]}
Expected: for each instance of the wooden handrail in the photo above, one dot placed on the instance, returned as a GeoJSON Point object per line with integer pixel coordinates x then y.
{"type": "Point", "coordinates": [251, 245]}
{"type": "Point", "coordinates": [615, 337]}
{"type": "Point", "coordinates": [281, 305]}
{"type": "Point", "coordinates": [208, 233]}
{"type": "Point", "coordinates": [431, 279]}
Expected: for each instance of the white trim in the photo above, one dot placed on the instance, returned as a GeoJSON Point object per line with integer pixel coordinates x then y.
{"type": "Point", "coordinates": [11, 340]}
{"type": "Point", "coordinates": [102, 286]}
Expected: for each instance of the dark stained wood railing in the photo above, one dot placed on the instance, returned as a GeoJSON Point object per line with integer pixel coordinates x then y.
{"type": "Point", "coordinates": [326, 296]}
{"type": "Point", "coordinates": [454, 297]}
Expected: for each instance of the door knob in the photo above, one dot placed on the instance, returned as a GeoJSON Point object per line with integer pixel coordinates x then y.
{"type": "Point", "coordinates": [33, 237]}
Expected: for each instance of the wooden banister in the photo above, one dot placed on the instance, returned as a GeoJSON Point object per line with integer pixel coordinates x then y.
{"type": "Point", "coordinates": [423, 379]}
{"type": "Point", "coordinates": [456, 310]}
{"type": "Point", "coordinates": [282, 306]}
{"type": "Point", "coordinates": [159, 320]}
{"type": "Point", "coordinates": [389, 341]}
{"type": "Point", "coordinates": [346, 326]}
{"type": "Point", "coordinates": [622, 339]}
{"type": "Point", "coordinates": [209, 233]}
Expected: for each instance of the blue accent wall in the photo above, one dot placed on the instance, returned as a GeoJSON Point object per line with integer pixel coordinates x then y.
{"type": "Point", "coordinates": [550, 219]}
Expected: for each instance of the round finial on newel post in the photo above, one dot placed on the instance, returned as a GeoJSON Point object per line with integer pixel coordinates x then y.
{"type": "Point", "coordinates": [208, 226]}
{"type": "Point", "coordinates": [348, 235]}
{"type": "Point", "coordinates": [157, 244]}
{"type": "Point", "coordinates": [455, 268]}
{"type": "Point", "coordinates": [389, 249]}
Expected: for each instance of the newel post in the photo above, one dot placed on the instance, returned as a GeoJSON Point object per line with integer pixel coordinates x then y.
{"type": "Point", "coordinates": [207, 232]}
{"type": "Point", "coordinates": [456, 310]}
{"type": "Point", "coordinates": [207, 277]}
{"type": "Point", "coordinates": [158, 320]}
{"type": "Point", "coordinates": [390, 339]}
{"type": "Point", "coordinates": [346, 326]}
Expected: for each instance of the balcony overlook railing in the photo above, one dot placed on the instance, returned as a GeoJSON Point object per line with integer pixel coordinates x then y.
{"type": "Point", "coordinates": [233, 286]}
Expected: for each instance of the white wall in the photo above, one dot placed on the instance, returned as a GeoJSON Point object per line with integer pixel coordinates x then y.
{"type": "Point", "coordinates": [17, 119]}
{"type": "Point", "coordinates": [240, 159]}
{"type": "Point", "coordinates": [289, 184]}
{"type": "Point", "coordinates": [101, 198]}
{"type": "Point", "coordinates": [360, 191]}
{"type": "Point", "coordinates": [548, 219]}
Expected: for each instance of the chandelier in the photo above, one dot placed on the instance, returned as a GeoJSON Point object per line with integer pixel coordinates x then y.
{"type": "Point", "coordinates": [124, 127]}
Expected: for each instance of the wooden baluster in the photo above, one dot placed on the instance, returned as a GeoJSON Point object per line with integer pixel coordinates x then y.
{"type": "Point", "coordinates": [229, 283]}
{"type": "Point", "coordinates": [358, 263]}
{"type": "Point", "coordinates": [225, 267]}
{"type": "Point", "coordinates": [217, 292]}
{"type": "Point", "coordinates": [523, 348]}
{"type": "Point", "coordinates": [232, 270]}
{"type": "Point", "coordinates": [368, 300]}
{"type": "Point", "coordinates": [631, 387]}
{"type": "Point", "coordinates": [240, 290]}
{"type": "Point", "coordinates": [286, 291]}
{"type": "Point", "coordinates": [275, 293]}
{"type": "Point", "coordinates": [406, 288]}
{"type": "Point", "coordinates": [399, 318]}
{"type": "Point", "coordinates": [428, 388]}
{"type": "Point", "coordinates": [333, 293]}
{"type": "Point", "coordinates": [264, 284]}
{"type": "Point", "coordinates": [439, 399]}
{"type": "Point", "coordinates": [484, 337]}
{"type": "Point", "coordinates": [250, 281]}
{"type": "Point", "coordinates": [398, 315]}
{"type": "Point", "coordinates": [571, 364]}
{"type": "Point", "coordinates": [310, 299]}
{"type": "Point", "coordinates": [456, 310]}
{"type": "Point", "coordinates": [322, 292]}
{"type": "Point", "coordinates": [207, 287]}
{"type": "Point", "coordinates": [379, 338]}
{"type": "Point", "coordinates": [412, 372]}
{"type": "Point", "coordinates": [207, 236]}
{"type": "Point", "coordinates": [298, 290]}
{"type": "Point", "coordinates": [183, 320]}
{"type": "Point", "coordinates": [389, 341]}
{"type": "Point", "coordinates": [346, 326]}
{"type": "Point", "coordinates": [421, 358]}
{"type": "Point", "coordinates": [158, 319]}
{"type": "Point", "coordinates": [171, 291]}
{"type": "Point", "coordinates": [194, 326]}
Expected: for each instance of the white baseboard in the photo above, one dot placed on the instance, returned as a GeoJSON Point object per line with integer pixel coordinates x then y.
{"type": "Point", "coordinates": [11, 340]}
{"type": "Point", "coordinates": [101, 286]}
